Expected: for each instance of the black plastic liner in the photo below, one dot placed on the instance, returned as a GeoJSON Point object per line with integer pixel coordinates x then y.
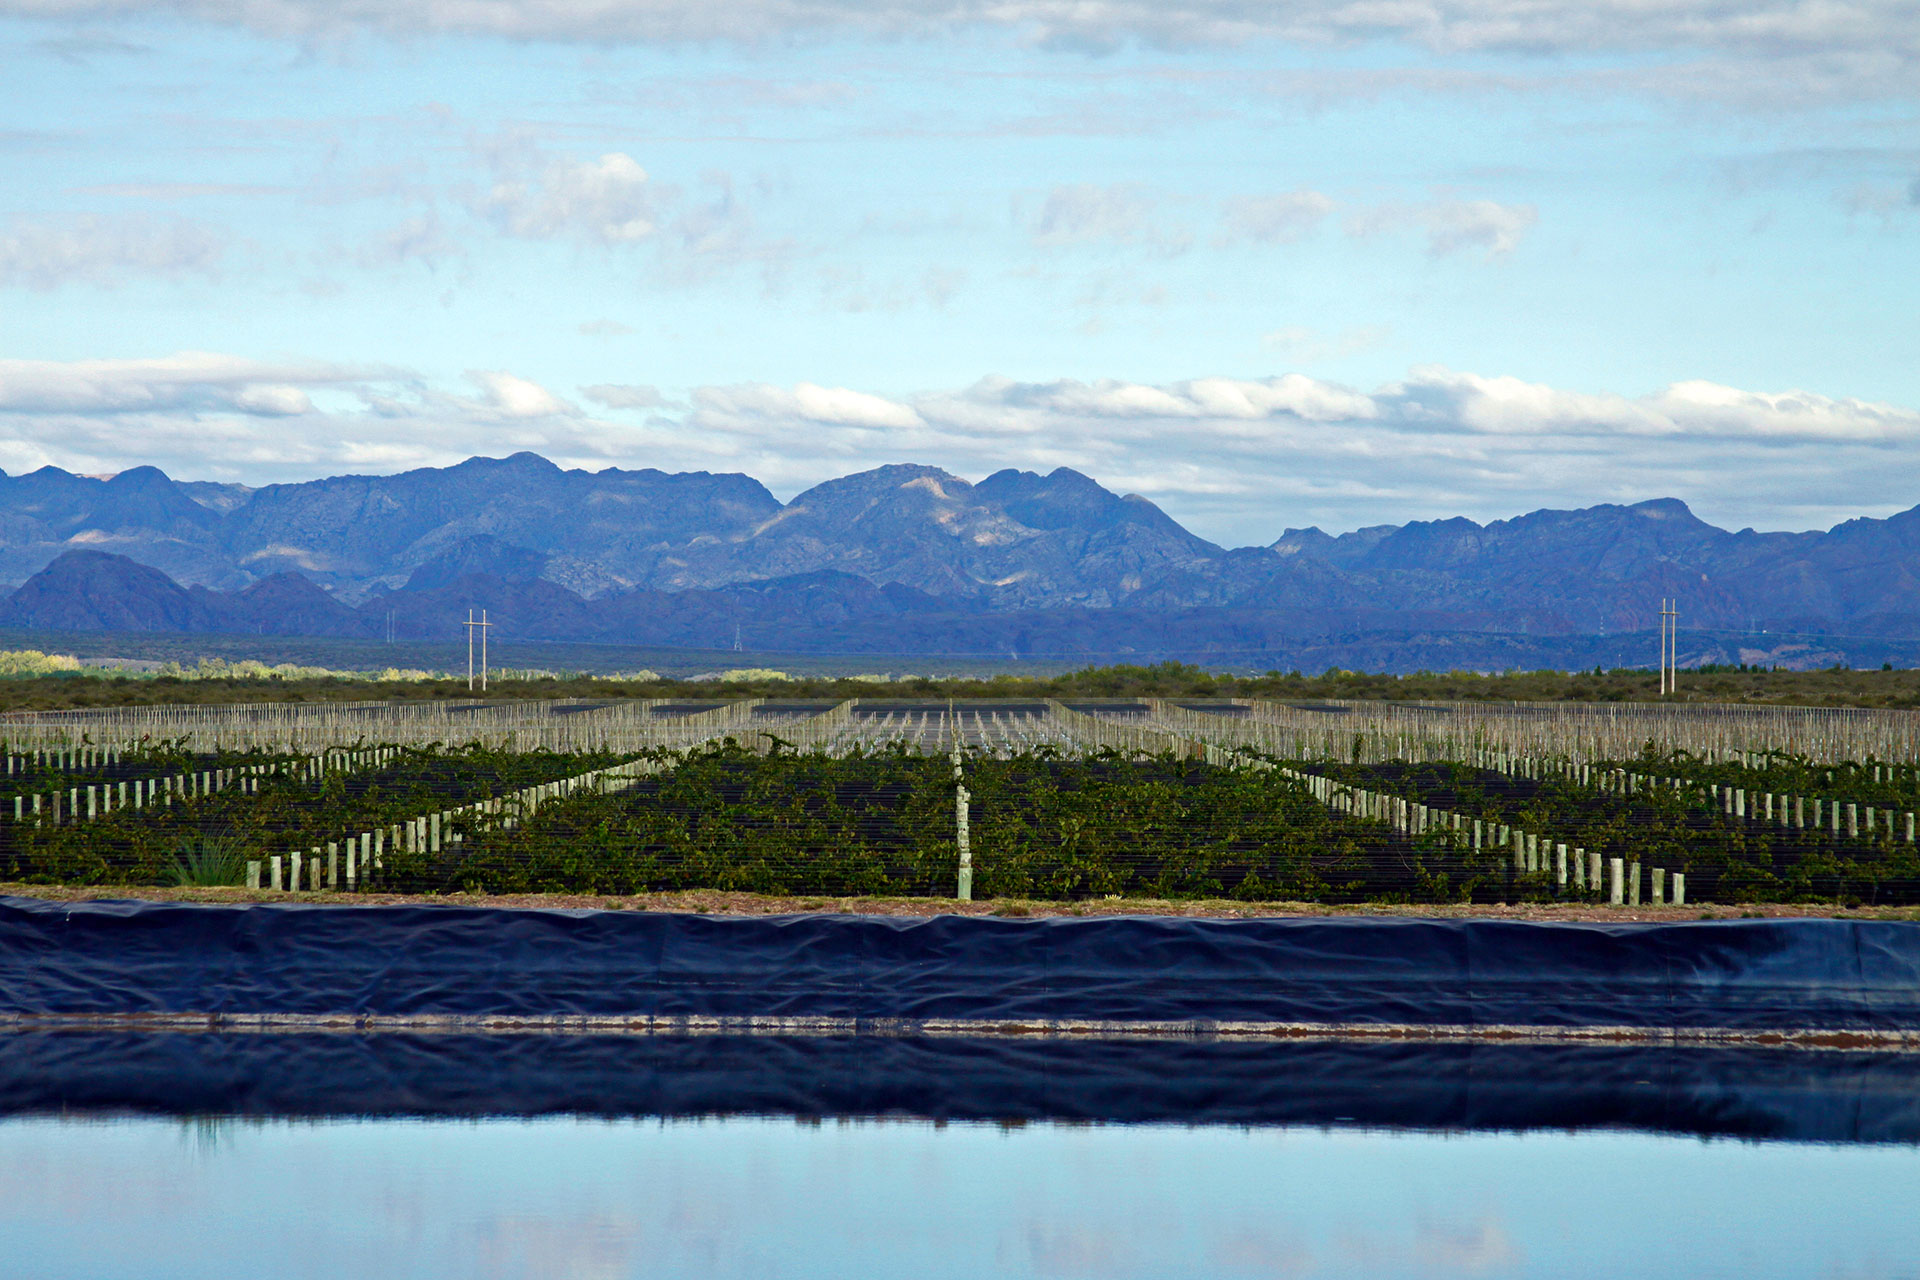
{"type": "Point", "coordinates": [315, 960]}
{"type": "Point", "coordinates": [1749, 1093]}
{"type": "Point", "coordinates": [1743, 975]}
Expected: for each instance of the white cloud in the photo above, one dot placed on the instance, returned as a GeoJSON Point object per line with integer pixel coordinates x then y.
{"type": "Point", "coordinates": [610, 202]}
{"type": "Point", "coordinates": [190, 381]}
{"type": "Point", "coordinates": [105, 251]}
{"type": "Point", "coordinates": [601, 201]}
{"type": "Point", "coordinates": [1082, 212]}
{"type": "Point", "coordinates": [1085, 214]}
{"type": "Point", "coordinates": [1238, 459]}
{"type": "Point", "coordinates": [753, 404]}
{"type": "Point", "coordinates": [517, 397]}
{"type": "Point", "coordinates": [1766, 27]}
{"type": "Point", "coordinates": [718, 233]}
{"type": "Point", "coordinates": [1452, 225]}
{"type": "Point", "coordinates": [421, 239]}
{"type": "Point", "coordinates": [1277, 219]}
{"type": "Point", "coordinates": [1241, 458]}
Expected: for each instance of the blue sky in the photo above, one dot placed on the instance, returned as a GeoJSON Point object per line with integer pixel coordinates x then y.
{"type": "Point", "coordinates": [1322, 262]}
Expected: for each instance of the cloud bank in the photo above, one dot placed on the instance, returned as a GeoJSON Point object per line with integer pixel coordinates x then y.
{"type": "Point", "coordinates": [1238, 459]}
{"type": "Point", "coordinates": [92, 249]}
{"type": "Point", "coordinates": [1865, 27]}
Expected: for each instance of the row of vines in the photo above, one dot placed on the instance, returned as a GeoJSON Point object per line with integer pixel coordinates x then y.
{"type": "Point", "coordinates": [1726, 857]}
{"type": "Point", "coordinates": [209, 838]}
{"type": "Point", "coordinates": [1045, 823]}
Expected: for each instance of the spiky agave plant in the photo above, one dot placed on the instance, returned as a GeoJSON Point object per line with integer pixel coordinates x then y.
{"type": "Point", "coordinates": [201, 860]}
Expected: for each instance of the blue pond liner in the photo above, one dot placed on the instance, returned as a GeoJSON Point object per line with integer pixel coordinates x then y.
{"type": "Point", "coordinates": [1739, 976]}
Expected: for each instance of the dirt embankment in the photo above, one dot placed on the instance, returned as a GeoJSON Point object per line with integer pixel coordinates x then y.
{"type": "Point", "coordinates": [753, 904]}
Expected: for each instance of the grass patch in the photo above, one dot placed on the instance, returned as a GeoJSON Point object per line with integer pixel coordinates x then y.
{"type": "Point", "coordinates": [206, 861]}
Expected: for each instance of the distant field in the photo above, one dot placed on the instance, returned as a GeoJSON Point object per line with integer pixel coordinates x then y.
{"type": "Point", "coordinates": [814, 677]}
{"type": "Point", "coordinates": [372, 655]}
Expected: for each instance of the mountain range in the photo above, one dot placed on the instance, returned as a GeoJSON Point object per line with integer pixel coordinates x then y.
{"type": "Point", "coordinates": [913, 560]}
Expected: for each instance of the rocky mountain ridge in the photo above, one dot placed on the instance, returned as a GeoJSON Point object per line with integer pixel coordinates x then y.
{"type": "Point", "coordinates": [906, 554]}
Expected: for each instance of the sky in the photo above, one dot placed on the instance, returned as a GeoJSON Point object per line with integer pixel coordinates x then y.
{"type": "Point", "coordinates": [1271, 265]}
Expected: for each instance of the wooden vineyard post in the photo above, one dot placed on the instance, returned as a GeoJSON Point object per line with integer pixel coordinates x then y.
{"type": "Point", "coordinates": [1616, 886]}
{"type": "Point", "coordinates": [963, 888]}
{"type": "Point", "coordinates": [1679, 888]}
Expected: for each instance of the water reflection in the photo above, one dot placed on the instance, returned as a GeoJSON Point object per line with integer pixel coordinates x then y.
{"type": "Point", "coordinates": [1748, 1092]}
{"type": "Point", "coordinates": [572, 1197]}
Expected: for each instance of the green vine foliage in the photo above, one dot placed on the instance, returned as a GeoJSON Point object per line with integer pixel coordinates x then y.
{"type": "Point", "coordinates": [1042, 825]}
{"type": "Point", "coordinates": [158, 759]}
{"type": "Point", "coordinates": [1683, 829]}
{"type": "Point", "coordinates": [138, 846]}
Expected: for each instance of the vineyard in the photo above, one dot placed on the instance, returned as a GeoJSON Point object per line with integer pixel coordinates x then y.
{"type": "Point", "coordinates": [1245, 799]}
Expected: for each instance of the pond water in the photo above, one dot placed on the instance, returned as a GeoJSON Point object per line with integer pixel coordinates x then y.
{"type": "Point", "coordinates": [158, 1198]}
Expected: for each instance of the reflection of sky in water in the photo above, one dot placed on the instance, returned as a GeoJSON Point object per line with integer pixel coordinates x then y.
{"type": "Point", "coordinates": [594, 1199]}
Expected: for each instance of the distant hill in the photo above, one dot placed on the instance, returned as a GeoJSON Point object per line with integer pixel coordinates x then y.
{"type": "Point", "coordinates": [910, 559]}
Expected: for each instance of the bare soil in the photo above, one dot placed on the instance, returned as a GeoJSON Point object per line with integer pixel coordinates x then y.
{"type": "Point", "coordinates": [714, 902]}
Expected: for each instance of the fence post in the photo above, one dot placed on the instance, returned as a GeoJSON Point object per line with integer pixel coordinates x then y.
{"type": "Point", "coordinates": [965, 885]}
{"type": "Point", "coordinates": [1617, 888]}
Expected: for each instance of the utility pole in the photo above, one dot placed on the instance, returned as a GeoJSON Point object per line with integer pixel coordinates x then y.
{"type": "Point", "coordinates": [1673, 643]}
{"type": "Point", "coordinates": [481, 626]}
{"type": "Point", "coordinates": [1669, 646]}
